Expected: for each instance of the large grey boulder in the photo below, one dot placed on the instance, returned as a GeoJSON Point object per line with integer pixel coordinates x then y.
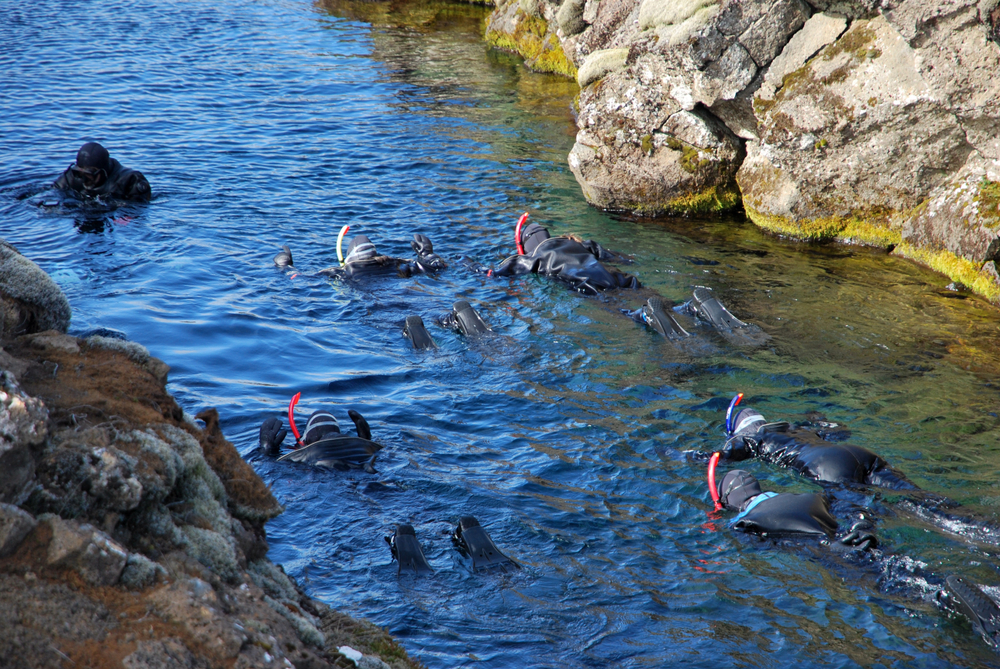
{"type": "Point", "coordinates": [857, 133]}
{"type": "Point", "coordinates": [640, 150]}
{"type": "Point", "coordinates": [30, 301]}
{"type": "Point", "coordinates": [889, 135]}
{"type": "Point", "coordinates": [957, 229]}
{"type": "Point", "coordinates": [660, 128]}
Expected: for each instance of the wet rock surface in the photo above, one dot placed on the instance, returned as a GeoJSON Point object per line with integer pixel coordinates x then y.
{"type": "Point", "coordinates": [130, 535]}
{"type": "Point", "coordinates": [867, 121]}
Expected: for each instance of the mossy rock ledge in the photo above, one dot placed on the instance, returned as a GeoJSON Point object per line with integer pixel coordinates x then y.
{"type": "Point", "coordinates": [130, 535]}
{"type": "Point", "coordinates": [883, 140]}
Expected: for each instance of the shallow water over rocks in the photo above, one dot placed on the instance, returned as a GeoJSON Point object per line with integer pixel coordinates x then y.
{"type": "Point", "coordinates": [273, 122]}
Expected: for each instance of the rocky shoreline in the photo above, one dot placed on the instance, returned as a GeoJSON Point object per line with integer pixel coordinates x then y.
{"type": "Point", "coordinates": [132, 534]}
{"type": "Point", "coordinates": [873, 122]}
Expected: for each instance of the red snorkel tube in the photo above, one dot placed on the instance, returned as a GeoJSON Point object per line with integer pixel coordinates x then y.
{"type": "Point", "coordinates": [517, 233]}
{"type": "Point", "coordinates": [711, 480]}
{"type": "Point", "coordinates": [291, 418]}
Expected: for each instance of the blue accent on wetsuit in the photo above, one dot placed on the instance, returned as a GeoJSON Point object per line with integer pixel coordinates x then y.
{"type": "Point", "coordinates": [754, 502]}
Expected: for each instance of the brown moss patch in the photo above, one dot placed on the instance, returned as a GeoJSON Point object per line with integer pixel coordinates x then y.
{"type": "Point", "coordinates": [249, 498]}
{"type": "Point", "coordinates": [856, 41]}
{"type": "Point", "coordinates": [366, 637]}
{"type": "Point", "coordinates": [93, 387]}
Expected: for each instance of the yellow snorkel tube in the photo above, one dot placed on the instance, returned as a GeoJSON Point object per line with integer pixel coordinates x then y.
{"type": "Point", "coordinates": [340, 244]}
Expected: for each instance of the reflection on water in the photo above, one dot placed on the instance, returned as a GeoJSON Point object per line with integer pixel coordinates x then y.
{"type": "Point", "coordinates": [264, 123]}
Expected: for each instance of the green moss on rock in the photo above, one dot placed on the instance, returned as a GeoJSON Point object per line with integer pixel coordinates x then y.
{"type": "Point", "coordinates": [955, 268]}
{"type": "Point", "coordinates": [864, 228]}
{"type": "Point", "coordinates": [536, 42]}
{"type": "Point", "coordinates": [988, 199]}
{"type": "Point", "coordinates": [871, 230]}
{"type": "Point", "coordinates": [712, 200]}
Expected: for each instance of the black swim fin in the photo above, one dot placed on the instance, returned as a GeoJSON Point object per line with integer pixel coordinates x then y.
{"type": "Point", "coordinates": [284, 259]}
{"type": "Point", "coordinates": [415, 331]}
{"type": "Point", "coordinates": [965, 597]}
{"type": "Point", "coordinates": [662, 320]}
{"type": "Point", "coordinates": [468, 321]}
{"type": "Point", "coordinates": [364, 431]}
{"type": "Point", "coordinates": [407, 552]}
{"type": "Point", "coordinates": [707, 307]}
{"type": "Point", "coordinates": [473, 540]}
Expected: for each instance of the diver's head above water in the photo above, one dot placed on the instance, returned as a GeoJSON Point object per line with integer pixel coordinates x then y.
{"type": "Point", "coordinates": [736, 487]}
{"type": "Point", "coordinates": [360, 250]}
{"type": "Point", "coordinates": [531, 236]}
{"type": "Point", "coordinates": [746, 421]}
{"type": "Point", "coordinates": [93, 164]}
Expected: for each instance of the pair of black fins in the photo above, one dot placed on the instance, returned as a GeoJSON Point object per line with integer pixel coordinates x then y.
{"type": "Point", "coordinates": [471, 538]}
{"type": "Point", "coordinates": [708, 308]}
{"type": "Point", "coordinates": [462, 317]}
{"type": "Point", "coordinates": [325, 446]}
{"type": "Point", "coordinates": [964, 597]}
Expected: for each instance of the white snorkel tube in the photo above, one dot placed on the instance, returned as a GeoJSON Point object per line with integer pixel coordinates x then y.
{"type": "Point", "coordinates": [340, 243]}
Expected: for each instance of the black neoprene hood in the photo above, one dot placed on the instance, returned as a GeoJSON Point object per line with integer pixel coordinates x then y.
{"type": "Point", "coordinates": [93, 154]}
{"type": "Point", "coordinates": [532, 236]}
{"type": "Point", "coordinates": [736, 487]}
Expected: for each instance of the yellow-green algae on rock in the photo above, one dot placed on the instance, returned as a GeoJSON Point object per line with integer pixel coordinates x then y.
{"type": "Point", "coordinates": [712, 200]}
{"type": "Point", "coordinates": [512, 29]}
{"type": "Point", "coordinates": [970, 274]}
{"type": "Point", "coordinates": [858, 230]}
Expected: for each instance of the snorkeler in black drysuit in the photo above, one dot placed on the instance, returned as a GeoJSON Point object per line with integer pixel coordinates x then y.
{"type": "Point", "coordinates": [569, 259]}
{"type": "Point", "coordinates": [96, 174]}
{"type": "Point", "coordinates": [363, 260]}
{"type": "Point", "coordinates": [783, 514]}
{"type": "Point", "coordinates": [788, 515]}
{"type": "Point", "coordinates": [322, 444]}
{"type": "Point", "coordinates": [578, 263]}
{"type": "Point", "coordinates": [749, 435]}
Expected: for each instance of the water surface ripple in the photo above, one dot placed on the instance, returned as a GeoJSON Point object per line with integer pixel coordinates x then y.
{"type": "Point", "coordinates": [266, 122]}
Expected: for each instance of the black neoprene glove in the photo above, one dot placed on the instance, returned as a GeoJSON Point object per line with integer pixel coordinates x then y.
{"type": "Point", "coordinates": [422, 245]}
{"type": "Point", "coordinates": [860, 537]}
{"type": "Point", "coordinates": [272, 435]}
{"type": "Point", "coordinates": [428, 260]}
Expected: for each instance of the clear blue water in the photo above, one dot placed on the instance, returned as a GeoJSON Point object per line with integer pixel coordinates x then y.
{"type": "Point", "coordinates": [277, 121]}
